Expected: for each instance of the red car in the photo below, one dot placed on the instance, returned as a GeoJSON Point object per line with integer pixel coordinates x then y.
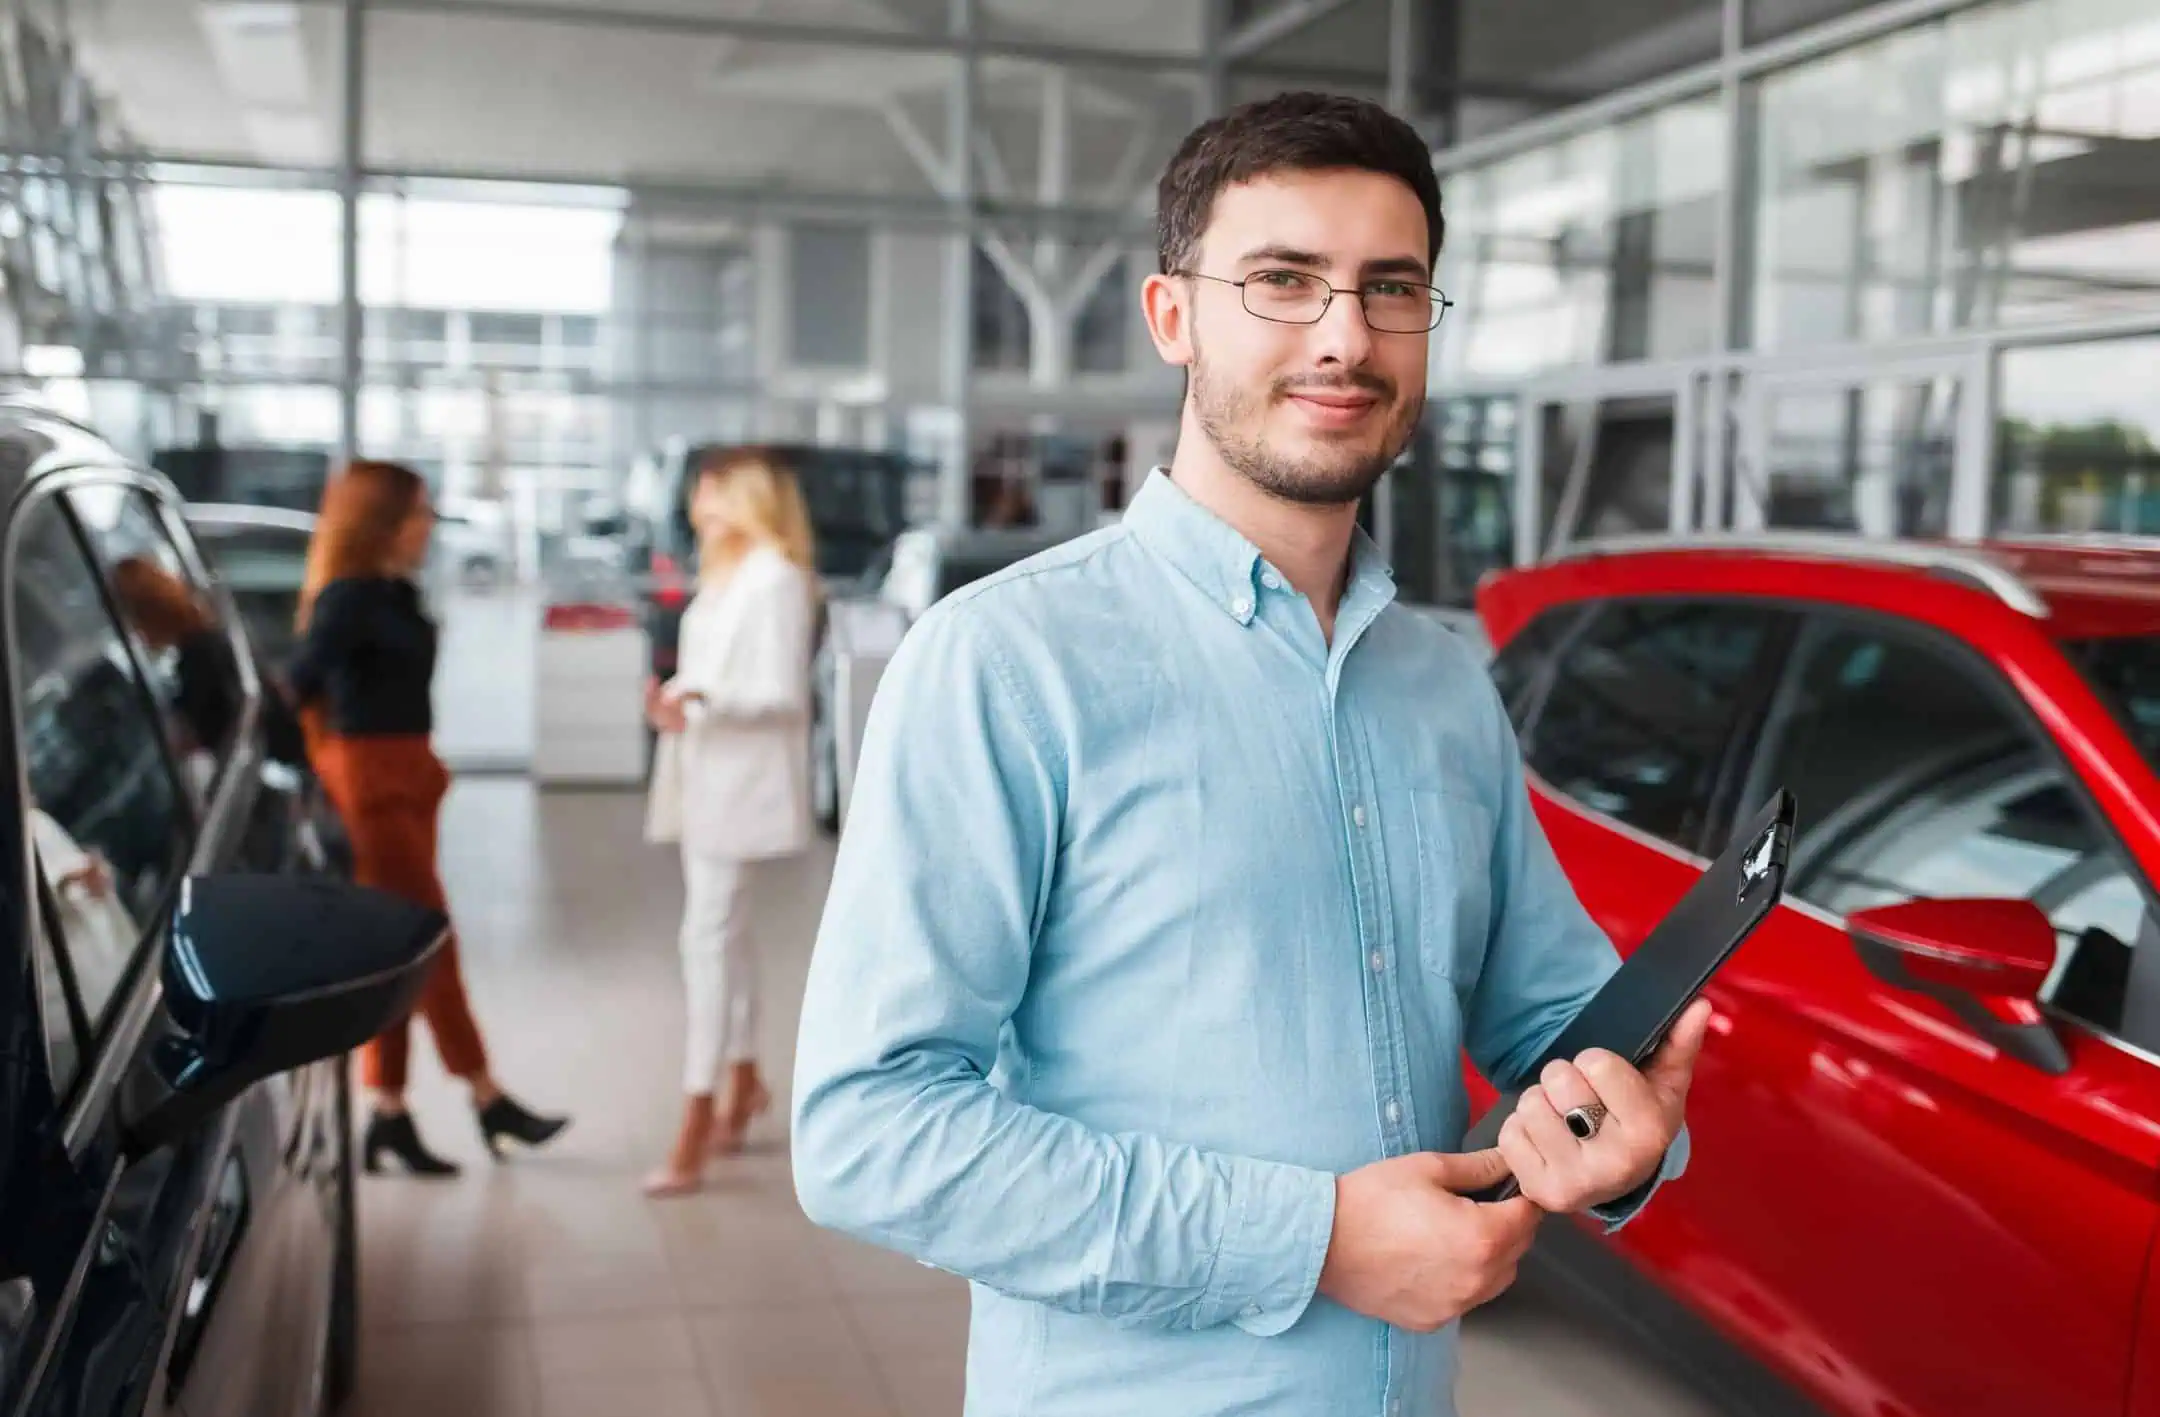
{"type": "Point", "coordinates": [1926, 1167]}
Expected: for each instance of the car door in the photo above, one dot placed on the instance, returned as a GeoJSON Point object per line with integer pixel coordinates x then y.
{"type": "Point", "coordinates": [1910, 1221]}
{"type": "Point", "coordinates": [110, 833]}
{"type": "Point", "coordinates": [156, 1247]}
{"type": "Point", "coordinates": [269, 1223]}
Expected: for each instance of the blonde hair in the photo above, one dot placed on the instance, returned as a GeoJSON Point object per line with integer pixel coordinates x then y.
{"type": "Point", "coordinates": [762, 496]}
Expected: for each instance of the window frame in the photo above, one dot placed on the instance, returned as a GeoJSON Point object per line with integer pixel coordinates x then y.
{"type": "Point", "coordinates": [1728, 778]}
{"type": "Point", "coordinates": [1570, 616]}
{"type": "Point", "coordinates": [1819, 618]}
{"type": "Point", "coordinates": [104, 1053]}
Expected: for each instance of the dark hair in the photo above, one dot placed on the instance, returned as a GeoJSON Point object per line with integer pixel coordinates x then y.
{"type": "Point", "coordinates": [1289, 132]}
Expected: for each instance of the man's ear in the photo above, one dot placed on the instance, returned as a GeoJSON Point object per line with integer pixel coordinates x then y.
{"type": "Point", "coordinates": [1166, 300]}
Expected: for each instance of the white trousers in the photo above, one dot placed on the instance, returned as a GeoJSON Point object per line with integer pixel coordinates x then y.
{"type": "Point", "coordinates": [720, 974]}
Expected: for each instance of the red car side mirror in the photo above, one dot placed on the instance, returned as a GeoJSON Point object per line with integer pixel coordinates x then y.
{"type": "Point", "coordinates": [1986, 960]}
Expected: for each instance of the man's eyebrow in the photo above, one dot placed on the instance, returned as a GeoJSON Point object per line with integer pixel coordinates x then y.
{"type": "Point", "coordinates": [1313, 260]}
{"type": "Point", "coordinates": [1286, 255]}
{"type": "Point", "coordinates": [1393, 266]}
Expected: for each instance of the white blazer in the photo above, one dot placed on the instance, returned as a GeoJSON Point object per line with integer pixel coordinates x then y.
{"type": "Point", "coordinates": [735, 783]}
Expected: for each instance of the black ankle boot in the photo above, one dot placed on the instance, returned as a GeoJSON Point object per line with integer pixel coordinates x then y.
{"type": "Point", "coordinates": [397, 1135]}
{"type": "Point", "coordinates": [505, 1119]}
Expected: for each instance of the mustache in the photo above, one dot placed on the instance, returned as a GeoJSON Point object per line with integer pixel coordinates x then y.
{"type": "Point", "coordinates": [1361, 380]}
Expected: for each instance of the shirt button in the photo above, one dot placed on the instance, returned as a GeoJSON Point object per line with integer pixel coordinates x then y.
{"type": "Point", "coordinates": [1357, 814]}
{"type": "Point", "coordinates": [1394, 1111]}
{"type": "Point", "coordinates": [1252, 1311]}
{"type": "Point", "coordinates": [1241, 607]}
{"type": "Point", "coordinates": [1271, 581]}
{"type": "Point", "coordinates": [1379, 962]}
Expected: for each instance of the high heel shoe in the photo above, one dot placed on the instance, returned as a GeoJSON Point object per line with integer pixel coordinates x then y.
{"type": "Point", "coordinates": [396, 1134]}
{"type": "Point", "coordinates": [504, 1119]}
{"type": "Point", "coordinates": [684, 1172]}
{"type": "Point", "coordinates": [753, 1101]}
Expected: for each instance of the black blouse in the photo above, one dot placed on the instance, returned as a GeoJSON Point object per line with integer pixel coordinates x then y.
{"type": "Point", "coordinates": [369, 656]}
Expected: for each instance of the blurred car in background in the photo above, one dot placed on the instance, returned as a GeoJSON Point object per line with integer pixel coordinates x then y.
{"type": "Point", "coordinates": [857, 498]}
{"type": "Point", "coordinates": [259, 555]}
{"type": "Point", "coordinates": [864, 623]}
{"type": "Point", "coordinates": [475, 544]}
{"type": "Point", "coordinates": [1926, 1166]}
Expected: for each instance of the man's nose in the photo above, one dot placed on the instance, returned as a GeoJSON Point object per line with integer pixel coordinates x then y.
{"type": "Point", "coordinates": [1341, 335]}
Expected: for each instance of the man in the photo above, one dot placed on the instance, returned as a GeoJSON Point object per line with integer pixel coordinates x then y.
{"type": "Point", "coordinates": [1182, 866]}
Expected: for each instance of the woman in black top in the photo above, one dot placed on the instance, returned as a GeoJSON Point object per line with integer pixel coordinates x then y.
{"type": "Point", "coordinates": [361, 676]}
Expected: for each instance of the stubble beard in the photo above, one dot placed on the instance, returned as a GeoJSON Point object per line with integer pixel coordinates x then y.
{"type": "Point", "coordinates": [1235, 423]}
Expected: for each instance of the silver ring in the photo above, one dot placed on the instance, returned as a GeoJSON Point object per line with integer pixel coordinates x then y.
{"type": "Point", "coordinates": [1583, 1121]}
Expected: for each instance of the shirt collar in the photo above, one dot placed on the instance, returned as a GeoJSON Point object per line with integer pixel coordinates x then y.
{"type": "Point", "coordinates": [1214, 556]}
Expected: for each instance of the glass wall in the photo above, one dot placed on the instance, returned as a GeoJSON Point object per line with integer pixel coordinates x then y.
{"type": "Point", "coordinates": [1992, 168]}
{"type": "Point", "coordinates": [1596, 249]}
{"type": "Point", "coordinates": [1914, 288]}
{"type": "Point", "coordinates": [2077, 443]}
{"type": "Point", "coordinates": [1875, 457]}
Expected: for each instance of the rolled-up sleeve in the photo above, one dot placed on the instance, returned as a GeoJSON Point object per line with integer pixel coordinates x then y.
{"type": "Point", "coordinates": [1546, 956]}
{"type": "Point", "coordinates": [901, 1138]}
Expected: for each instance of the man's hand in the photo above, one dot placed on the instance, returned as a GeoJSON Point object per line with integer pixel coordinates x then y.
{"type": "Point", "coordinates": [1410, 1251]}
{"type": "Point", "coordinates": [1562, 1173]}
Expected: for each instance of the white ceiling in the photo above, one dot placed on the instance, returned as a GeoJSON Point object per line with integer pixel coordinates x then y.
{"type": "Point", "coordinates": [259, 81]}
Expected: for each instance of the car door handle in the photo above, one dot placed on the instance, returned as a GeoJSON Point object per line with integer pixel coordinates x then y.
{"type": "Point", "coordinates": [227, 1223]}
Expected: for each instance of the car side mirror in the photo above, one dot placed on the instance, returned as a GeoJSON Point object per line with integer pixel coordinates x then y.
{"type": "Point", "coordinates": [1985, 960]}
{"type": "Point", "coordinates": [267, 973]}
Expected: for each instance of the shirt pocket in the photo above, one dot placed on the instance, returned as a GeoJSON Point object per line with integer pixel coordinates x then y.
{"type": "Point", "coordinates": [1454, 853]}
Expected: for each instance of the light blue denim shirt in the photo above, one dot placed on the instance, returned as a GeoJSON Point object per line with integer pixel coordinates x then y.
{"type": "Point", "coordinates": [1153, 914]}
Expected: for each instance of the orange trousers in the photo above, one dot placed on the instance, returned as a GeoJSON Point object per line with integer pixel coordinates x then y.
{"type": "Point", "coordinates": [389, 790]}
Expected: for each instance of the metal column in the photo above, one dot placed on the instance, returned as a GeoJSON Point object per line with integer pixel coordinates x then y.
{"type": "Point", "coordinates": [1401, 57]}
{"type": "Point", "coordinates": [349, 232]}
{"type": "Point", "coordinates": [954, 486]}
{"type": "Point", "coordinates": [1214, 61]}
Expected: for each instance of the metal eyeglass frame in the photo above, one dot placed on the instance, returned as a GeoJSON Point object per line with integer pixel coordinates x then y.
{"type": "Point", "coordinates": [1441, 303]}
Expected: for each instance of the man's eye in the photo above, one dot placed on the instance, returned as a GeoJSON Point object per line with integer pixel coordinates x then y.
{"type": "Point", "coordinates": [1389, 289]}
{"type": "Point", "coordinates": [1281, 280]}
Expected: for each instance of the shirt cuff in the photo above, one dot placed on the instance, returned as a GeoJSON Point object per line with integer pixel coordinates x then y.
{"type": "Point", "coordinates": [1267, 1269]}
{"type": "Point", "coordinates": [1616, 1213]}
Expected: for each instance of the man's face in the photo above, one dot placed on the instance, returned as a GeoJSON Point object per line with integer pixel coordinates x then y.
{"type": "Point", "coordinates": [1313, 413]}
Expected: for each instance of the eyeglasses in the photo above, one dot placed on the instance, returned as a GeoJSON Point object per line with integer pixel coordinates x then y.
{"type": "Point", "coordinates": [1391, 307]}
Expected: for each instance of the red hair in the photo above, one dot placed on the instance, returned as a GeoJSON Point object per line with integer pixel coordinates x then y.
{"type": "Point", "coordinates": [362, 509]}
{"type": "Point", "coordinates": [161, 607]}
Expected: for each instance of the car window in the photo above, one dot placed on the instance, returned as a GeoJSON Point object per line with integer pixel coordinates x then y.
{"type": "Point", "coordinates": [1515, 668]}
{"type": "Point", "coordinates": [262, 569]}
{"type": "Point", "coordinates": [176, 621]}
{"type": "Point", "coordinates": [1917, 778]}
{"type": "Point", "coordinates": [107, 817]}
{"type": "Point", "coordinates": [1643, 709]}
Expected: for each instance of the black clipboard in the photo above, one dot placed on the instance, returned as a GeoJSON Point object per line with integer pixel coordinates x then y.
{"type": "Point", "coordinates": [1655, 984]}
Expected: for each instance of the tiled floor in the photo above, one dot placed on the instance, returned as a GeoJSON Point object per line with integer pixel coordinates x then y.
{"type": "Point", "coordinates": [548, 1287]}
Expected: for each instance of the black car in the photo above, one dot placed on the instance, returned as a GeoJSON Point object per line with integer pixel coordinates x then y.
{"type": "Point", "coordinates": [179, 979]}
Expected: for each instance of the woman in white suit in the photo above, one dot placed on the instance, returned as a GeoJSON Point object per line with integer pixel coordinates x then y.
{"type": "Point", "coordinates": [731, 778]}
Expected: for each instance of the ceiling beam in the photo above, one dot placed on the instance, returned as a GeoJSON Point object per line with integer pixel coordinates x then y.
{"type": "Point", "coordinates": [768, 200]}
{"type": "Point", "coordinates": [857, 37]}
{"type": "Point", "coordinates": [1281, 21]}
